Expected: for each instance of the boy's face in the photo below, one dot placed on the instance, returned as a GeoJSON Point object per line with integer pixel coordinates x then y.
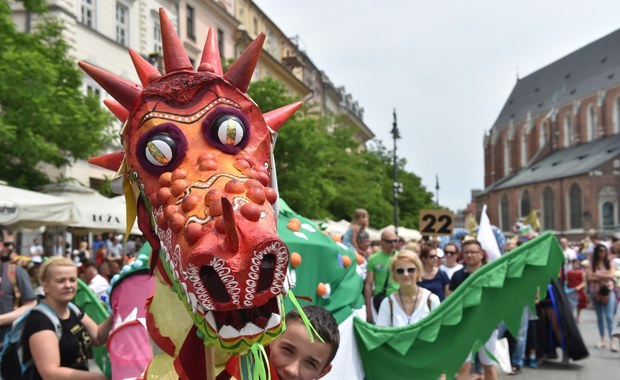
{"type": "Point", "coordinates": [294, 358]}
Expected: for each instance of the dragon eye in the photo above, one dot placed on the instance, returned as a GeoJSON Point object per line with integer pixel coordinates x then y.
{"type": "Point", "coordinates": [230, 130]}
{"type": "Point", "coordinates": [160, 149]}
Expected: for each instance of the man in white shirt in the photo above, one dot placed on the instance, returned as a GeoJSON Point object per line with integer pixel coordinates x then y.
{"type": "Point", "coordinates": [95, 281]}
{"type": "Point", "coordinates": [36, 249]}
{"type": "Point", "coordinates": [569, 253]}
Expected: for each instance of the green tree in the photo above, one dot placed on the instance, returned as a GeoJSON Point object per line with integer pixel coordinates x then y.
{"type": "Point", "coordinates": [322, 173]}
{"type": "Point", "coordinates": [44, 117]}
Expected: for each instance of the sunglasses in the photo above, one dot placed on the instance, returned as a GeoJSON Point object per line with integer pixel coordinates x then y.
{"type": "Point", "coordinates": [432, 256]}
{"type": "Point", "coordinates": [449, 252]}
{"type": "Point", "coordinates": [8, 244]}
{"type": "Point", "coordinates": [390, 241]}
{"type": "Point", "coordinates": [401, 271]}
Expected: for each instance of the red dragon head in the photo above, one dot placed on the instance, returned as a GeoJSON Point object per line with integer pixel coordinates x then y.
{"type": "Point", "coordinates": [198, 156]}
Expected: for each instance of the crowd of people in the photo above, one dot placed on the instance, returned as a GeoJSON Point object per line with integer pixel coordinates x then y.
{"type": "Point", "coordinates": [406, 280]}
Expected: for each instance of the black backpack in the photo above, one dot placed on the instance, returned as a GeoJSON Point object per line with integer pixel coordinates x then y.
{"type": "Point", "coordinates": [12, 365]}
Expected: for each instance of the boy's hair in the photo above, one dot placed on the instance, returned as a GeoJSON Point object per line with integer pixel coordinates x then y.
{"type": "Point", "coordinates": [324, 324]}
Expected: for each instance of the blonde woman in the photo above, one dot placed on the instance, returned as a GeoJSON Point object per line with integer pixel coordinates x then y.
{"type": "Point", "coordinates": [411, 302]}
{"type": "Point", "coordinates": [64, 358]}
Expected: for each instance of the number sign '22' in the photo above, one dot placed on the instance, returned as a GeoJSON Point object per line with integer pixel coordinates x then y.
{"type": "Point", "coordinates": [436, 222]}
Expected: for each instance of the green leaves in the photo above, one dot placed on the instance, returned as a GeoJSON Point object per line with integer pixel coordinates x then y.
{"type": "Point", "coordinates": [323, 173]}
{"type": "Point", "coordinates": [44, 117]}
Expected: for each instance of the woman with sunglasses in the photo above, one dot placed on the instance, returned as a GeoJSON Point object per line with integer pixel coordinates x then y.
{"type": "Point", "coordinates": [433, 278]}
{"type": "Point", "coordinates": [411, 302]}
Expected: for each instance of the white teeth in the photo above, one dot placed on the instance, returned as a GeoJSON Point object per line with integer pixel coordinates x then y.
{"type": "Point", "coordinates": [210, 317]}
{"type": "Point", "coordinates": [184, 286]}
{"type": "Point", "coordinates": [250, 329]}
{"type": "Point", "coordinates": [142, 322]}
{"type": "Point", "coordinates": [274, 321]}
{"type": "Point", "coordinates": [118, 321]}
{"type": "Point", "coordinates": [228, 332]}
{"type": "Point", "coordinates": [132, 316]}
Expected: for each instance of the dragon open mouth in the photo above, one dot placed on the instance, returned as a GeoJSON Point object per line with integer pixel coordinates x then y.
{"type": "Point", "coordinates": [245, 322]}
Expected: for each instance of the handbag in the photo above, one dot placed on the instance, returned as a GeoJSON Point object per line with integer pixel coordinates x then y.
{"type": "Point", "coordinates": [378, 298]}
{"type": "Point", "coordinates": [602, 296]}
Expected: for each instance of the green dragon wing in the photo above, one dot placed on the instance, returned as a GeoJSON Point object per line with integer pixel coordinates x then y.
{"type": "Point", "coordinates": [441, 341]}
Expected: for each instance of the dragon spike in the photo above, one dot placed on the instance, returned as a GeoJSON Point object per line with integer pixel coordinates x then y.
{"type": "Point", "coordinates": [124, 91]}
{"type": "Point", "coordinates": [240, 73]}
{"type": "Point", "coordinates": [230, 227]}
{"type": "Point", "coordinates": [210, 60]}
{"type": "Point", "coordinates": [117, 109]}
{"type": "Point", "coordinates": [145, 70]}
{"type": "Point", "coordinates": [111, 161]}
{"type": "Point", "coordinates": [276, 118]}
{"type": "Point", "coordinates": [175, 57]}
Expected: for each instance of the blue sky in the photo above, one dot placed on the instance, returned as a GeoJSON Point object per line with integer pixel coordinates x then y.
{"type": "Point", "coordinates": [447, 66]}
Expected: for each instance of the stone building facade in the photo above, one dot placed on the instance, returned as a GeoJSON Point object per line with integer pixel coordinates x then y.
{"type": "Point", "coordinates": [555, 147]}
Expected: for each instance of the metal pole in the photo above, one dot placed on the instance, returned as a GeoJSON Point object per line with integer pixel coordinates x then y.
{"type": "Point", "coordinates": [437, 189]}
{"type": "Point", "coordinates": [395, 135]}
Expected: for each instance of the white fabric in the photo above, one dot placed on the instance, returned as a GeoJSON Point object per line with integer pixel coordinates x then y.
{"type": "Point", "coordinates": [489, 346]}
{"type": "Point", "coordinates": [450, 270]}
{"type": "Point", "coordinates": [28, 209]}
{"type": "Point", "coordinates": [399, 317]}
{"type": "Point", "coordinates": [347, 364]}
{"type": "Point", "coordinates": [487, 238]}
{"type": "Point", "coordinates": [98, 285]}
{"type": "Point", "coordinates": [502, 354]}
{"type": "Point", "coordinates": [92, 210]}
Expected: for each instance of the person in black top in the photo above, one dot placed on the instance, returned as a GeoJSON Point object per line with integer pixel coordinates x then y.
{"type": "Point", "coordinates": [64, 359]}
{"type": "Point", "coordinates": [473, 259]}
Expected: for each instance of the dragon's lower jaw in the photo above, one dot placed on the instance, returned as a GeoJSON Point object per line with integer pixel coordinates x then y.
{"type": "Point", "coordinates": [244, 327]}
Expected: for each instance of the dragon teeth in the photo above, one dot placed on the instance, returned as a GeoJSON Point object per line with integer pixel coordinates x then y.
{"type": "Point", "coordinates": [250, 329]}
{"type": "Point", "coordinates": [274, 320]}
{"type": "Point", "coordinates": [228, 332]}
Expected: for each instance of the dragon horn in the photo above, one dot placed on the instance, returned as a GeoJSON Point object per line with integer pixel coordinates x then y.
{"type": "Point", "coordinates": [274, 119]}
{"type": "Point", "coordinates": [117, 109]}
{"type": "Point", "coordinates": [125, 92]}
{"type": "Point", "coordinates": [240, 73]}
{"type": "Point", "coordinates": [210, 60]}
{"type": "Point", "coordinates": [111, 161]}
{"type": "Point", "coordinates": [230, 227]}
{"type": "Point", "coordinates": [175, 57]}
{"type": "Point", "coordinates": [145, 70]}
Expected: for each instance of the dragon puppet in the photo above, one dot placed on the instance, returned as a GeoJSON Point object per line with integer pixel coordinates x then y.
{"type": "Point", "coordinates": [198, 172]}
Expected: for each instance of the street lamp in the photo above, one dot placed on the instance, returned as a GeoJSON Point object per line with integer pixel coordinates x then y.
{"type": "Point", "coordinates": [397, 186]}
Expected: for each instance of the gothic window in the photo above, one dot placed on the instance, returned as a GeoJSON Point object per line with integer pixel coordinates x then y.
{"type": "Point", "coordinates": [523, 149]}
{"type": "Point", "coordinates": [608, 214]}
{"type": "Point", "coordinates": [617, 115]}
{"type": "Point", "coordinates": [526, 207]}
{"type": "Point", "coordinates": [567, 131]}
{"type": "Point", "coordinates": [591, 124]}
{"type": "Point", "coordinates": [574, 206]}
{"type": "Point", "coordinates": [542, 137]}
{"type": "Point", "coordinates": [506, 158]}
{"type": "Point", "coordinates": [504, 213]}
{"type": "Point", "coordinates": [548, 209]}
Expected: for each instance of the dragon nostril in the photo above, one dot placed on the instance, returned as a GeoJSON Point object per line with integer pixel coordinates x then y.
{"type": "Point", "coordinates": [267, 268]}
{"type": "Point", "coordinates": [214, 284]}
